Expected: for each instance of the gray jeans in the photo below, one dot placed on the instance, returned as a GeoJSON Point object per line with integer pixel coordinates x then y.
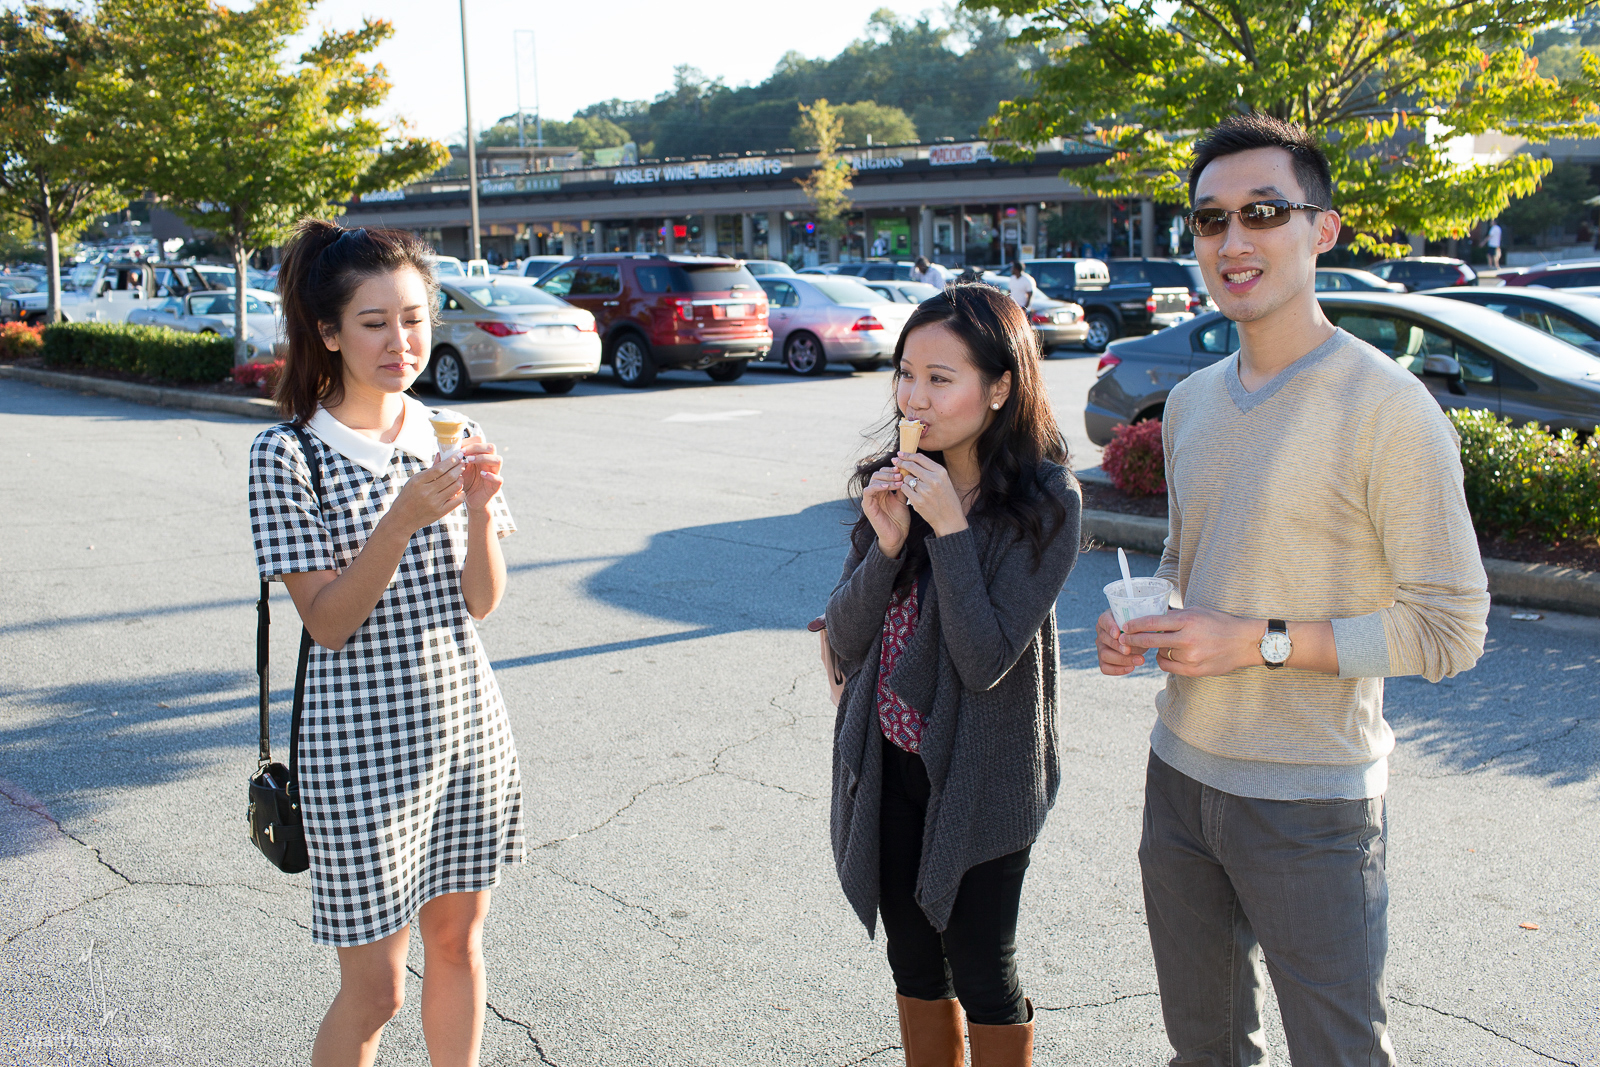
{"type": "Point", "coordinates": [1229, 880]}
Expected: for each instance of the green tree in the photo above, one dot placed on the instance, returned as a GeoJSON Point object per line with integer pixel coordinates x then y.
{"type": "Point", "coordinates": [201, 112]}
{"type": "Point", "coordinates": [582, 132]}
{"type": "Point", "coordinates": [863, 122]}
{"type": "Point", "coordinates": [1386, 86]}
{"type": "Point", "coordinates": [51, 170]}
{"type": "Point", "coordinates": [1560, 202]}
{"type": "Point", "coordinates": [828, 186]}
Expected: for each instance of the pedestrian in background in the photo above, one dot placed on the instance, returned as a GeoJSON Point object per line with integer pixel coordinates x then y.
{"type": "Point", "coordinates": [1495, 234]}
{"type": "Point", "coordinates": [1022, 285]}
{"type": "Point", "coordinates": [407, 775]}
{"type": "Point", "coordinates": [1311, 566]}
{"type": "Point", "coordinates": [929, 272]}
{"type": "Point", "coordinates": [945, 758]}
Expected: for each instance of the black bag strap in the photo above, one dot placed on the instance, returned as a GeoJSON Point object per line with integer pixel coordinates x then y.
{"type": "Point", "coordinates": [263, 645]}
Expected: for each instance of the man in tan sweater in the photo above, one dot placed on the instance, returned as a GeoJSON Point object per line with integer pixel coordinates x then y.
{"type": "Point", "coordinates": [1320, 542]}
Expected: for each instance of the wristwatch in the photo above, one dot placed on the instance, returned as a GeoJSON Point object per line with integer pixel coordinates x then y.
{"type": "Point", "coordinates": [1276, 648]}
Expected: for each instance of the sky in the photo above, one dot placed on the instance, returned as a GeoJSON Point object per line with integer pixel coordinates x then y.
{"type": "Point", "coordinates": [585, 53]}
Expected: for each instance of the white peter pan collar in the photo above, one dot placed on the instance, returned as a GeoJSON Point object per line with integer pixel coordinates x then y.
{"type": "Point", "coordinates": [415, 438]}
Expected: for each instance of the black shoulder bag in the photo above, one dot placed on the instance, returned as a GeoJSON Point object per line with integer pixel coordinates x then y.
{"type": "Point", "coordinates": [274, 812]}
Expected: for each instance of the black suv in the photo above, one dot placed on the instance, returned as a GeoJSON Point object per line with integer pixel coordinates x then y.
{"type": "Point", "coordinates": [1124, 297]}
{"type": "Point", "coordinates": [656, 311]}
{"type": "Point", "coordinates": [1425, 272]}
{"type": "Point", "coordinates": [877, 272]}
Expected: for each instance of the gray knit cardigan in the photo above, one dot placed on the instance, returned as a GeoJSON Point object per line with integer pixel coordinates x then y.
{"type": "Point", "coordinates": [981, 668]}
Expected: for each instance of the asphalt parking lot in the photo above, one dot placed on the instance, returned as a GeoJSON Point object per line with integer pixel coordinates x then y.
{"type": "Point", "coordinates": [679, 905]}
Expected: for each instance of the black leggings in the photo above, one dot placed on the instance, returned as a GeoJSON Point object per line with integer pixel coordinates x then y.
{"type": "Point", "coordinates": [975, 958]}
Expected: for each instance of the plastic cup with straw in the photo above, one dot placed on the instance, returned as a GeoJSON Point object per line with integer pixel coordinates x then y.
{"type": "Point", "coordinates": [1136, 598]}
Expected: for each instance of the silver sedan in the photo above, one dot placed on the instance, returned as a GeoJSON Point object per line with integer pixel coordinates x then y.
{"type": "Point", "coordinates": [212, 311]}
{"type": "Point", "coordinates": [504, 328]}
{"type": "Point", "coordinates": [816, 318]}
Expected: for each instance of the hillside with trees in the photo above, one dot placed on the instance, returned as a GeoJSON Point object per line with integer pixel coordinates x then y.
{"type": "Point", "coordinates": [903, 80]}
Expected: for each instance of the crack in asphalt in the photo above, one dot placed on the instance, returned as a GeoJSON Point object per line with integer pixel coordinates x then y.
{"type": "Point", "coordinates": [1486, 1029]}
{"type": "Point", "coordinates": [527, 1028]}
{"type": "Point", "coordinates": [1119, 998]}
{"type": "Point", "coordinates": [656, 923]}
{"type": "Point", "coordinates": [871, 1055]}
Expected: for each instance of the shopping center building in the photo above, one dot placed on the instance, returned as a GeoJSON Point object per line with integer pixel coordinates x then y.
{"type": "Point", "coordinates": [949, 201]}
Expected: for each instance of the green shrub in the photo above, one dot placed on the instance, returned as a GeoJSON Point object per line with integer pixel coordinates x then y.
{"type": "Point", "coordinates": [1135, 460]}
{"type": "Point", "coordinates": [151, 351]}
{"type": "Point", "coordinates": [1524, 479]}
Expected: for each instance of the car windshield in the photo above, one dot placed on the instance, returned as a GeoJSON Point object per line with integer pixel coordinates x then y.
{"type": "Point", "coordinates": [509, 293]}
{"type": "Point", "coordinates": [19, 283]}
{"type": "Point", "coordinates": [695, 278]}
{"type": "Point", "coordinates": [82, 276]}
{"type": "Point", "coordinates": [846, 291]}
{"type": "Point", "coordinates": [222, 304]}
{"type": "Point", "coordinates": [918, 291]}
{"type": "Point", "coordinates": [448, 268]}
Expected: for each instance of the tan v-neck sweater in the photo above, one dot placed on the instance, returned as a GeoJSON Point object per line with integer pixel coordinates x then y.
{"type": "Point", "coordinates": [1332, 492]}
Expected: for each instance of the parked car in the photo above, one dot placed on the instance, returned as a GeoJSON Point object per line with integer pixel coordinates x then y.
{"type": "Point", "coordinates": [95, 292]}
{"type": "Point", "coordinates": [662, 311]}
{"type": "Point", "coordinates": [212, 311]}
{"type": "Point", "coordinates": [816, 319]}
{"type": "Point", "coordinates": [904, 292]}
{"type": "Point", "coordinates": [1468, 356]}
{"type": "Point", "coordinates": [1425, 272]}
{"type": "Point", "coordinates": [1570, 314]}
{"type": "Point", "coordinates": [1120, 309]}
{"type": "Point", "coordinates": [822, 268]}
{"type": "Point", "coordinates": [537, 267]}
{"type": "Point", "coordinates": [1557, 275]}
{"type": "Point", "coordinates": [1351, 280]}
{"type": "Point", "coordinates": [759, 267]}
{"type": "Point", "coordinates": [877, 272]}
{"type": "Point", "coordinates": [448, 267]}
{"type": "Point", "coordinates": [224, 278]}
{"type": "Point", "coordinates": [508, 329]}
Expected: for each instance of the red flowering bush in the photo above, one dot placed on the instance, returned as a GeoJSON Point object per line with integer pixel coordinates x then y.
{"type": "Point", "coordinates": [264, 376]}
{"type": "Point", "coordinates": [1134, 459]}
{"type": "Point", "coordinates": [18, 340]}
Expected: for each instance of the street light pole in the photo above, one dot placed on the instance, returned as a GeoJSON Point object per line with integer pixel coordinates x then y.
{"type": "Point", "coordinates": [472, 147]}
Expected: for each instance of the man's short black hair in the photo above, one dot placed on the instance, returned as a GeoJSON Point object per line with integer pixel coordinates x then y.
{"type": "Point", "coordinates": [1241, 133]}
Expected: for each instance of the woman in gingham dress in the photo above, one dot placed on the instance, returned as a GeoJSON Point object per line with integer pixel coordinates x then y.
{"type": "Point", "coordinates": [408, 776]}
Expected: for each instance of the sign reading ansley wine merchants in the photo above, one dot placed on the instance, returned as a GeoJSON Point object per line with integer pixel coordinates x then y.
{"type": "Point", "coordinates": [698, 171]}
{"type": "Point", "coordinates": [944, 155]}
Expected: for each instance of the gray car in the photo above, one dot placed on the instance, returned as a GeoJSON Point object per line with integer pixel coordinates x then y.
{"type": "Point", "coordinates": [1467, 356]}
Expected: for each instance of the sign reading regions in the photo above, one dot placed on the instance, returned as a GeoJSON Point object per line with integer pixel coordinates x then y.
{"type": "Point", "coordinates": [698, 171]}
{"type": "Point", "coordinates": [944, 155]}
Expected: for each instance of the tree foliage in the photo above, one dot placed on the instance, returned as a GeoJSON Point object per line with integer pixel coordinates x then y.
{"type": "Point", "coordinates": [1387, 85]}
{"type": "Point", "coordinates": [585, 132]}
{"type": "Point", "coordinates": [1560, 202]}
{"type": "Point", "coordinates": [52, 172]}
{"type": "Point", "coordinates": [861, 123]}
{"type": "Point", "coordinates": [828, 185]}
{"type": "Point", "coordinates": [199, 110]}
{"type": "Point", "coordinates": [945, 79]}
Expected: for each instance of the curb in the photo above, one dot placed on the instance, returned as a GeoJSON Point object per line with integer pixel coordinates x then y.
{"type": "Point", "coordinates": [249, 407]}
{"type": "Point", "coordinates": [1530, 585]}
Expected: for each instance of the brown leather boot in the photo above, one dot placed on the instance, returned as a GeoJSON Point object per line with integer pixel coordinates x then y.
{"type": "Point", "coordinates": [1003, 1046]}
{"type": "Point", "coordinates": [930, 1032]}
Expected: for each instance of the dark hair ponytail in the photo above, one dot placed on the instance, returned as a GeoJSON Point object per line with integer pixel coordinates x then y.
{"type": "Point", "coordinates": [323, 265]}
{"type": "Point", "coordinates": [1014, 449]}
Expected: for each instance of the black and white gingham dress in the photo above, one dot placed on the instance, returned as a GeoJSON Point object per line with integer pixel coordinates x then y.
{"type": "Point", "coordinates": [408, 774]}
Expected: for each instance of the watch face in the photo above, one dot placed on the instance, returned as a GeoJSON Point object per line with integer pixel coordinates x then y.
{"type": "Point", "coordinates": [1275, 647]}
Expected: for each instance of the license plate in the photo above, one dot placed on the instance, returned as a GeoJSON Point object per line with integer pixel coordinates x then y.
{"type": "Point", "coordinates": [553, 333]}
{"type": "Point", "coordinates": [735, 311]}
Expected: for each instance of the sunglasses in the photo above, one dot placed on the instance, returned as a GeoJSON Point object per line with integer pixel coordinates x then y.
{"type": "Point", "coordinates": [1261, 215]}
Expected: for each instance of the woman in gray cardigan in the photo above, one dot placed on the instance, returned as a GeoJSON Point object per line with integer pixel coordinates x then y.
{"type": "Point", "coordinates": [944, 759]}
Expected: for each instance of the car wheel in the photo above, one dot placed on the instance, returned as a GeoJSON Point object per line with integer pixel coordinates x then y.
{"type": "Point", "coordinates": [867, 366]}
{"type": "Point", "coordinates": [730, 371]}
{"type": "Point", "coordinates": [632, 362]}
{"type": "Point", "coordinates": [803, 355]}
{"type": "Point", "coordinates": [557, 386]}
{"type": "Point", "coordinates": [1102, 330]}
{"type": "Point", "coordinates": [450, 375]}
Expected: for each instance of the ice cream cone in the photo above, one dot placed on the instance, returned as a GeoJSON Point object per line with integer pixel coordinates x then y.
{"type": "Point", "coordinates": [911, 434]}
{"type": "Point", "coordinates": [448, 426]}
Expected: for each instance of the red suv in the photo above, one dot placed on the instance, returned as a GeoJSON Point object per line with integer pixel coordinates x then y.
{"type": "Point", "coordinates": [657, 311]}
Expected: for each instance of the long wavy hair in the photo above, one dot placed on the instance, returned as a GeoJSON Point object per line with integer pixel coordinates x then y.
{"type": "Point", "coordinates": [323, 266]}
{"type": "Point", "coordinates": [1013, 452]}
